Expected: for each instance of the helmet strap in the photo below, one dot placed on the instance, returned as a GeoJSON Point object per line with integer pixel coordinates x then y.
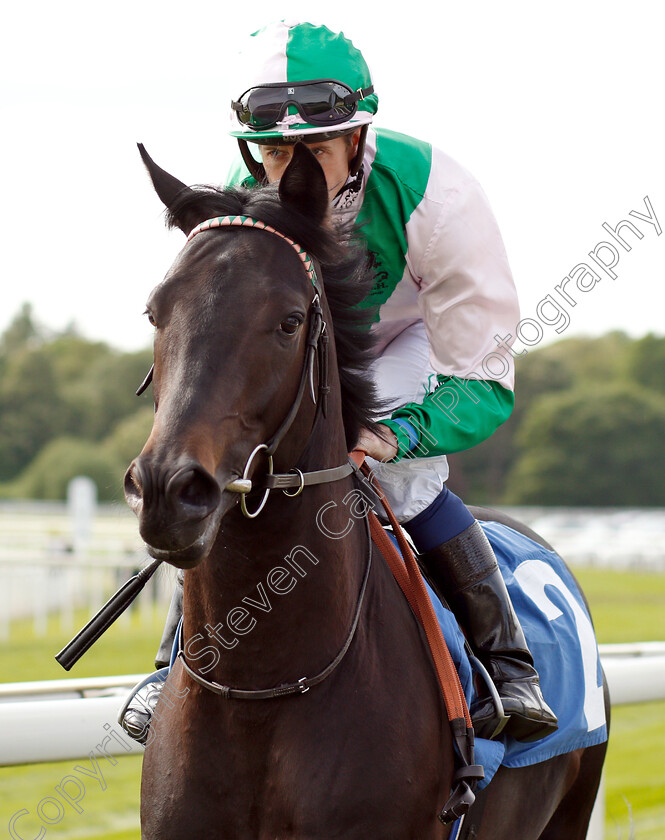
{"type": "Point", "coordinates": [256, 169]}
{"type": "Point", "coordinates": [356, 163]}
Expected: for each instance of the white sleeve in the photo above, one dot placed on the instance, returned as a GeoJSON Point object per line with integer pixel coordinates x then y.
{"type": "Point", "coordinates": [467, 296]}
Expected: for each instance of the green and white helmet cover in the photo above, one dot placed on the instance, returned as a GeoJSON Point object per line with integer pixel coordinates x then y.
{"type": "Point", "coordinates": [300, 52]}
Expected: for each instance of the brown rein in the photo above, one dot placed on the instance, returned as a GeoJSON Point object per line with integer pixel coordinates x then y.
{"type": "Point", "coordinates": [407, 574]}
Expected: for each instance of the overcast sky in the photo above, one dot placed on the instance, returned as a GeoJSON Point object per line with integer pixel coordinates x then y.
{"type": "Point", "coordinates": [557, 108]}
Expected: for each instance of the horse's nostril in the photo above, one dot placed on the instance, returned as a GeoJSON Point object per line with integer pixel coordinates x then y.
{"type": "Point", "coordinates": [132, 486]}
{"type": "Point", "coordinates": [195, 488]}
{"type": "Point", "coordinates": [195, 492]}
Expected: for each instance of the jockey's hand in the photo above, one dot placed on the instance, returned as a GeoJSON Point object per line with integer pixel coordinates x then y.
{"type": "Point", "coordinates": [383, 448]}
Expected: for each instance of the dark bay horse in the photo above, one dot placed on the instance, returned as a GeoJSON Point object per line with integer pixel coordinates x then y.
{"type": "Point", "coordinates": [304, 705]}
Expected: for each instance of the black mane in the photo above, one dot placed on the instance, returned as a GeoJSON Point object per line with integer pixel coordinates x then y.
{"type": "Point", "coordinates": [347, 280]}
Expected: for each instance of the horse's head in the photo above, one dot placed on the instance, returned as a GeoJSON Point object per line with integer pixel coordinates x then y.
{"type": "Point", "coordinates": [237, 321]}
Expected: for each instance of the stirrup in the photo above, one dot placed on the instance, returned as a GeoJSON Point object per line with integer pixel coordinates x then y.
{"type": "Point", "coordinates": [501, 717]}
{"type": "Point", "coordinates": [137, 710]}
{"type": "Point", "coordinates": [509, 719]}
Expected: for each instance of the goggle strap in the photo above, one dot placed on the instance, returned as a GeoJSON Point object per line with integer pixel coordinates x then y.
{"type": "Point", "coordinates": [358, 95]}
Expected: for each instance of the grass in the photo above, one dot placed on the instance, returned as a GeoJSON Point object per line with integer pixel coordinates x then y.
{"type": "Point", "coordinates": [112, 814]}
{"type": "Point", "coordinates": [635, 773]}
{"type": "Point", "coordinates": [109, 813]}
{"type": "Point", "coordinates": [625, 606]}
{"type": "Point", "coordinates": [128, 647]}
{"type": "Point", "coordinates": [631, 608]}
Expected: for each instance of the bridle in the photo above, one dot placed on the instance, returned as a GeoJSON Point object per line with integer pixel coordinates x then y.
{"type": "Point", "coordinates": [316, 347]}
{"type": "Point", "coordinates": [304, 683]}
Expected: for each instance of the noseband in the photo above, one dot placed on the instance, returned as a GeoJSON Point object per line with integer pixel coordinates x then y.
{"type": "Point", "coordinates": [317, 347]}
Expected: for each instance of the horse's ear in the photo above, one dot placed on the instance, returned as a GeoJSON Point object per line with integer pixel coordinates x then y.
{"type": "Point", "coordinates": [303, 185]}
{"type": "Point", "coordinates": [167, 187]}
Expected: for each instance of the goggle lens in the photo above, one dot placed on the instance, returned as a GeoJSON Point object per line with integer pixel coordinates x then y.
{"type": "Point", "coordinates": [324, 102]}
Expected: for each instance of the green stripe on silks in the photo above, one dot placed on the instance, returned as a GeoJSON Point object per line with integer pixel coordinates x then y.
{"type": "Point", "coordinates": [395, 187]}
{"type": "Point", "coordinates": [458, 415]}
{"type": "Point", "coordinates": [393, 192]}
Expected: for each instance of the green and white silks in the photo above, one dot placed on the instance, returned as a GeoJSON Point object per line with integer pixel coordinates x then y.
{"type": "Point", "coordinates": [441, 268]}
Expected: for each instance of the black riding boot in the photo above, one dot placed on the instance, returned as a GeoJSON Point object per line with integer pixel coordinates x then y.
{"type": "Point", "coordinates": [138, 709]}
{"type": "Point", "coordinates": [466, 571]}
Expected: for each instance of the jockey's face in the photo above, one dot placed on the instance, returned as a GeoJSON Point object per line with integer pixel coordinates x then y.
{"type": "Point", "coordinates": [334, 155]}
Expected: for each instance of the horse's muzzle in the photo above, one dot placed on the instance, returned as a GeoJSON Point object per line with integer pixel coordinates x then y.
{"type": "Point", "coordinates": [178, 506]}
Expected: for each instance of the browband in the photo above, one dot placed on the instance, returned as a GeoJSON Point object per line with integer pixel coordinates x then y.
{"type": "Point", "coordinates": [248, 221]}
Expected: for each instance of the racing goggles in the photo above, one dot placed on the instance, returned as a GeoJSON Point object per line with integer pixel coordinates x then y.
{"type": "Point", "coordinates": [322, 102]}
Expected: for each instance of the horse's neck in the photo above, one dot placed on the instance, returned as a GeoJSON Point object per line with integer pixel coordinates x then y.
{"type": "Point", "coordinates": [277, 596]}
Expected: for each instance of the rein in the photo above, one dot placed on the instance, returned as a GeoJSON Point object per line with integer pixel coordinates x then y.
{"type": "Point", "coordinates": [317, 345]}
{"type": "Point", "coordinates": [304, 683]}
{"type": "Point", "coordinates": [407, 573]}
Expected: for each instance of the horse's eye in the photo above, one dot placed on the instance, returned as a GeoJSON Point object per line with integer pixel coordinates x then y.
{"type": "Point", "coordinates": [151, 317]}
{"type": "Point", "coordinates": [291, 324]}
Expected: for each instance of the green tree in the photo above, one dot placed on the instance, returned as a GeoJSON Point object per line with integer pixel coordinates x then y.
{"type": "Point", "coordinates": [646, 362]}
{"type": "Point", "coordinates": [595, 445]}
{"type": "Point", "coordinates": [588, 360]}
{"type": "Point", "coordinates": [32, 411]}
{"type": "Point", "coordinates": [65, 385]}
{"type": "Point", "coordinates": [61, 460]}
{"type": "Point", "coordinates": [479, 474]}
{"type": "Point", "coordinates": [128, 438]}
{"type": "Point", "coordinates": [105, 391]}
{"type": "Point", "coordinates": [73, 357]}
{"type": "Point", "coordinates": [22, 332]}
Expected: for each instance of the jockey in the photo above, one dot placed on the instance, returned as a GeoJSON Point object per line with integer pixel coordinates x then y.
{"type": "Point", "coordinates": [446, 305]}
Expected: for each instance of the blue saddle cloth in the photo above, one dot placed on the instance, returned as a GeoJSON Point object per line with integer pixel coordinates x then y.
{"type": "Point", "coordinates": [560, 636]}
